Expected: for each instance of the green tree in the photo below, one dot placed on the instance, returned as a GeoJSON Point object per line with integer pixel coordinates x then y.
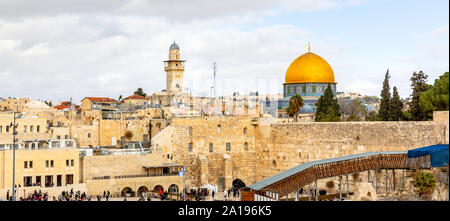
{"type": "Point", "coordinates": [418, 86]}
{"type": "Point", "coordinates": [396, 106]}
{"type": "Point", "coordinates": [140, 92]}
{"type": "Point", "coordinates": [436, 98]}
{"type": "Point", "coordinates": [371, 116]}
{"type": "Point", "coordinates": [383, 113]}
{"type": "Point", "coordinates": [295, 103]}
{"type": "Point", "coordinates": [424, 182]}
{"type": "Point", "coordinates": [120, 98]}
{"type": "Point", "coordinates": [327, 107]}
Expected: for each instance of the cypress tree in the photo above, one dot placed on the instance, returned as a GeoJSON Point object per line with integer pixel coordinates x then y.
{"type": "Point", "coordinates": [396, 106]}
{"type": "Point", "coordinates": [383, 113]}
{"type": "Point", "coordinates": [327, 107]}
{"type": "Point", "coordinates": [418, 86]}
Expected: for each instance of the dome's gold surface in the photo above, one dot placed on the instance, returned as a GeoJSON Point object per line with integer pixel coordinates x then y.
{"type": "Point", "coordinates": [309, 68]}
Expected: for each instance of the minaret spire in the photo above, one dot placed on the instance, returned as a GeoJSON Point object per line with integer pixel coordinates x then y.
{"type": "Point", "coordinates": [309, 47]}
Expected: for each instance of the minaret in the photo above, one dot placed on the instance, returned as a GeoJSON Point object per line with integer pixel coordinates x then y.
{"type": "Point", "coordinates": [174, 68]}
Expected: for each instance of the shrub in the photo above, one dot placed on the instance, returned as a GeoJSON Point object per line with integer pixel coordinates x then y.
{"type": "Point", "coordinates": [424, 182]}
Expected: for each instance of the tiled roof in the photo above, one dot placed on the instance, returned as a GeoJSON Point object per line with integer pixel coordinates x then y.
{"type": "Point", "coordinates": [66, 104]}
{"type": "Point", "coordinates": [101, 99]}
{"type": "Point", "coordinates": [135, 96]}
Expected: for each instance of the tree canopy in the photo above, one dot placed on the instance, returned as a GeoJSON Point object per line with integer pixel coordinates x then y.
{"type": "Point", "coordinates": [436, 98]}
{"type": "Point", "coordinates": [383, 113]}
{"type": "Point", "coordinates": [396, 106]}
{"type": "Point", "coordinates": [140, 92]}
{"type": "Point", "coordinates": [327, 107]}
{"type": "Point", "coordinates": [295, 103]}
{"type": "Point", "coordinates": [418, 85]}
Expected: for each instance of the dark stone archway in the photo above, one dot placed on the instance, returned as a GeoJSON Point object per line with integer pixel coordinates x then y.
{"type": "Point", "coordinates": [238, 184]}
{"type": "Point", "coordinates": [127, 191]}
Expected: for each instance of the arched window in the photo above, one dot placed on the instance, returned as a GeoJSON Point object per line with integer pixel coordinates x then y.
{"type": "Point", "coordinates": [218, 128]}
{"type": "Point", "coordinates": [245, 130]}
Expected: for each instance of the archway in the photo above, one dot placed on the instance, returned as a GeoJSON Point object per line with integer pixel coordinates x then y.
{"type": "Point", "coordinates": [173, 188]}
{"type": "Point", "coordinates": [127, 191]}
{"type": "Point", "coordinates": [238, 184]}
{"type": "Point", "coordinates": [157, 188]}
{"type": "Point", "coordinates": [142, 190]}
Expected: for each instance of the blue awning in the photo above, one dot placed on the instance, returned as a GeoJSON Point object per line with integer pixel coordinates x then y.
{"type": "Point", "coordinates": [439, 154]}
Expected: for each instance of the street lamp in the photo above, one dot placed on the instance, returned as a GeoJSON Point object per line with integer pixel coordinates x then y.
{"type": "Point", "coordinates": [14, 127]}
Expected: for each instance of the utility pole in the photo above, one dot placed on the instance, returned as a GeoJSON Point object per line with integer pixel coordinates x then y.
{"type": "Point", "coordinates": [14, 157]}
{"type": "Point", "coordinates": [214, 82]}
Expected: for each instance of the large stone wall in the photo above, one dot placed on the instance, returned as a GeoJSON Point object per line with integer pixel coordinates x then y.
{"type": "Point", "coordinates": [275, 147]}
{"type": "Point", "coordinates": [283, 146]}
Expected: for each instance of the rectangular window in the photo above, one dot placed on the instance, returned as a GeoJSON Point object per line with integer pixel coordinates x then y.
{"type": "Point", "coordinates": [72, 162]}
{"type": "Point", "coordinates": [314, 89]}
{"type": "Point", "coordinates": [31, 164]}
{"type": "Point", "coordinates": [1, 128]}
{"type": "Point", "coordinates": [25, 129]}
{"type": "Point", "coordinates": [37, 128]}
{"type": "Point", "coordinates": [27, 181]}
{"type": "Point", "coordinates": [246, 146]}
{"type": "Point", "coordinates": [190, 147]}
{"type": "Point", "coordinates": [31, 129]}
{"type": "Point", "coordinates": [25, 164]}
{"type": "Point", "coordinates": [67, 163]}
{"type": "Point", "coordinates": [58, 137]}
{"type": "Point", "coordinates": [51, 163]}
{"type": "Point", "coordinates": [38, 180]}
{"type": "Point", "coordinates": [48, 181]}
{"type": "Point", "coordinates": [66, 137]}
{"type": "Point", "coordinates": [89, 135]}
{"type": "Point", "coordinates": [58, 180]}
{"type": "Point", "coordinates": [69, 179]}
{"type": "Point", "coordinates": [46, 164]}
{"type": "Point", "coordinates": [228, 146]}
{"type": "Point", "coordinates": [211, 147]}
{"type": "Point", "coordinates": [7, 129]}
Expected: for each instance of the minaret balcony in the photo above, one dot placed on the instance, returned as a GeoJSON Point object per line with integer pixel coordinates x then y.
{"type": "Point", "coordinates": [173, 68]}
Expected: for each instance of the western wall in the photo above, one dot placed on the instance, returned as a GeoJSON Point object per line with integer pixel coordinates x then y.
{"type": "Point", "coordinates": [274, 147]}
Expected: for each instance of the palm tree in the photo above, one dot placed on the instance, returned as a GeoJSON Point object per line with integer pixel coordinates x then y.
{"type": "Point", "coordinates": [295, 103]}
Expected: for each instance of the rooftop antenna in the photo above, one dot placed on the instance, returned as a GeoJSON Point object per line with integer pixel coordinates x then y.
{"type": "Point", "coordinates": [214, 82]}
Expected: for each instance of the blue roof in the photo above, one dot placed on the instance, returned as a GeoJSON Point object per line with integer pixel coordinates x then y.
{"type": "Point", "coordinates": [439, 154]}
{"type": "Point", "coordinates": [174, 46]}
{"type": "Point", "coordinates": [306, 109]}
{"type": "Point", "coordinates": [271, 180]}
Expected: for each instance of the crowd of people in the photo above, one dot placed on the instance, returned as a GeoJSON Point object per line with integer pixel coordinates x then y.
{"type": "Point", "coordinates": [39, 196]}
{"type": "Point", "coordinates": [198, 194]}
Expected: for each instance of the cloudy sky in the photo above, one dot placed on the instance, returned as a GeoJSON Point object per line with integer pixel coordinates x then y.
{"type": "Point", "coordinates": [54, 50]}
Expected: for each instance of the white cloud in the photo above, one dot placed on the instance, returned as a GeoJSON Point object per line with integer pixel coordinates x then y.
{"type": "Point", "coordinates": [180, 10]}
{"type": "Point", "coordinates": [439, 31]}
{"type": "Point", "coordinates": [55, 50]}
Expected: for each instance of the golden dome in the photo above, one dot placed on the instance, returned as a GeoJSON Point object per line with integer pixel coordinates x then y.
{"type": "Point", "coordinates": [309, 68]}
